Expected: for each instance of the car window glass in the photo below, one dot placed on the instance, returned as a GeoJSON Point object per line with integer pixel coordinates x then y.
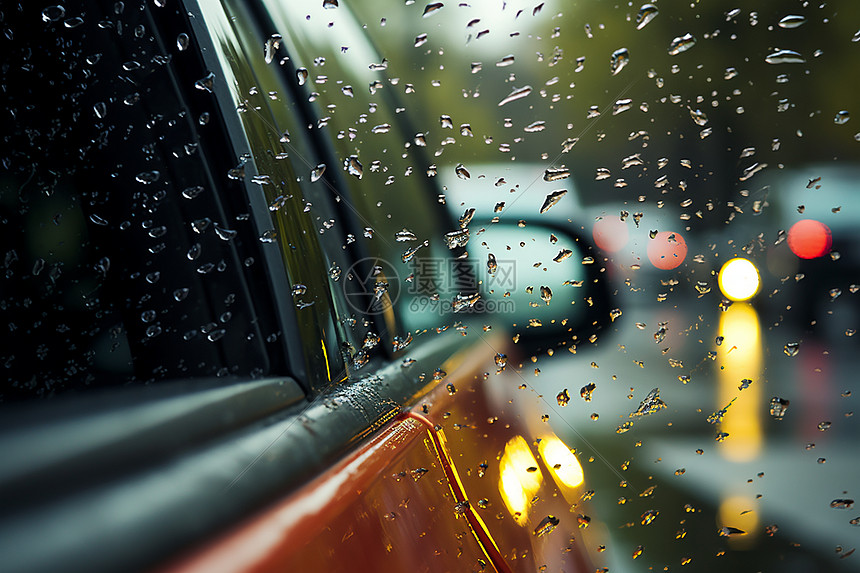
{"type": "Point", "coordinates": [306, 225]}
{"type": "Point", "coordinates": [120, 262]}
{"type": "Point", "coordinates": [706, 151]}
{"type": "Point", "coordinates": [387, 167]}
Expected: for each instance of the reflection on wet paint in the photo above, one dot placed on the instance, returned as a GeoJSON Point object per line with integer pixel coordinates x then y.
{"type": "Point", "coordinates": [520, 478]}
{"type": "Point", "coordinates": [561, 462]}
{"type": "Point", "coordinates": [739, 327]}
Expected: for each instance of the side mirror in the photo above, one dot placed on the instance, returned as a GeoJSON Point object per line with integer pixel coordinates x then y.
{"type": "Point", "coordinates": [542, 283]}
{"type": "Point", "coordinates": [546, 286]}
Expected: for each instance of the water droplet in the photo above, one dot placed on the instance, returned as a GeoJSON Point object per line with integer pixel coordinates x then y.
{"type": "Point", "coordinates": [646, 13]}
{"type": "Point", "coordinates": [546, 525]}
{"type": "Point", "coordinates": [506, 61]}
{"type": "Point", "coordinates": [182, 42]}
{"type": "Point", "coordinates": [621, 105]}
{"type": "Point", "coordinates": [681, 44]}
{"type": "Point", "coordinates": [517, 93]}
{"type": "Point", "coordinates": [432, 8]}
{"type": "Point", "coordinates": [317, 172]}
{"type": "Point", "coordinates": [405, 235]}
{"type": "Point", "coordinates": [587, 391]}
{"type": "Point", "coordinates": [462, 172]}
{"type": "Point", "coordinates": [552, 199]}
{"type": "Point", "coordinates": [100, 109]}
{"type": "Point", "coordinates": [73, 22]}
{"type": "Point", "coordinates": [533, 127]}
{"type": "Point", "coordinates": [192, 192]}
{"type": "Point", "coordinates": [466, 218]}
{"type": "Point", "coordinates": [625, 427]}
{"type": "Point", "coordinates": [545, 294]}
{"type": "Point", "coordinates": [778, 407]}
{"type": "Point", "coordinates": [652, 403]}
{"type": "Point", "coordinates": [698, 116]}
{"type": "Point", "coordinates": [268, 236]}
{"type": "Point", "coordinates": [457, 238]}
{"type": "Point", "coordinates": [353, 166]}
{"type": "Point", "coordinates": [157, 232]}
{"type": "Point", "coordinates": [98, 220]}
{"type": "Point", "coordinates": [791, 348]}
{"type": "Point", "coordinates": [842, 503]}
{"type": "Point", "coordinates": [237, 172]}
{"type": "Point", "coordinates": [602, 173]}
{"type": "Point", "coordinates": [792, 21]}
{"type": "Point", "coordinates": [752, 170]}
{"type": "Point", "coordinates": [420, 40]}
{"type": "Point", "coordinates": [225, 234]}
{"type": "Point", "coordinates": [562, 255]}
{"type": "Point", "coordinates": [148, 177]}
{"type": "Point", "coordinates": [206, 83]}
{"type": "Point", "coordinates": [619, 59]}
{"type": "Point", "coordinates": [649, 516]}
{"type": "Point", "coordinates": [842, 117]}
{"type": "Point", "coordinates": [717, 417]}
{"type": "Point", "coordinates": [302, 76]}
{"type": "Point", "coordinates": [632, 161]}
{"type": "Point", "coordinates": [273, 43]}
{"type": "Point", "coordinates": [563, 398]}
{"type": "Point", "coordinates": [465, 301]}
{"type": "Point", "coordinates": [53, 13]}
{"type": "Point", "coordinates": [556, 174]}
{"type": "Point", "coordinates": [785, 57]}
{"type": "Point", "coordinates": [216, 335]}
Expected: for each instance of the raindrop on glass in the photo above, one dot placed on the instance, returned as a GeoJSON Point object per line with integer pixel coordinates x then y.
{"type": "Point", "coordinates": [646, 13]}
{"type": "Point", "coordinates": [785, 57]}
{"type": "Point", "coordinates": [681, 44]}
{"type": "Point", "coordinates": [792, 21]}
{"type": "Point", "coordinates": [618, 60]}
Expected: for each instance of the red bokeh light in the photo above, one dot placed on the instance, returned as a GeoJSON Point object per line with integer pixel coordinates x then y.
{"type": "Point", "coordinates": [610, 234]}
{"type": "Point", "coordinates": [667, 250]}
{"type": "Point", "coordinates": [809, 239]}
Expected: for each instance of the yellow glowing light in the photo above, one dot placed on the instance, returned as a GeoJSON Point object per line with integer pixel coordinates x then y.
{"type": "Point", "coordinates": [741, 357]}
{"type": "Point", "coordinates": [562, 463]}
{"type": "Point", "coordinates": [739, 512]}
{"type": "Point", "coordinates": [739, 279]}
{"type": "Point", "coordinates": [520, 478]}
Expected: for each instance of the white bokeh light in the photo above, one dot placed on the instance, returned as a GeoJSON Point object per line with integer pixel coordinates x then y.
{"type": "Point", "coordinates": [739, 279]}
